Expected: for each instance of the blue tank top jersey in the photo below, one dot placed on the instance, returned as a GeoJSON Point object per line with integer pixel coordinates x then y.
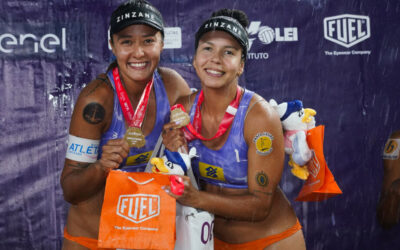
{"type": "Point", "coordinates": [226, 167]}
{"type": "Point", "coordinates": [138, 157]}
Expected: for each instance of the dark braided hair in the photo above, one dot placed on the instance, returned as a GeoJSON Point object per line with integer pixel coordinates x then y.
{"type": "Point", "coordinates": [239, 15]}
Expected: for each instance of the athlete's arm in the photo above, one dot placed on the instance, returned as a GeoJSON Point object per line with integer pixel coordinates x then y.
{"type": "Point", "coordinates": [388, 212]}
{"type": "Point", "coordinates": [175, 85]}
{"type": "Point", "coordinates": [265, 165]}
{"type": "Point", "coordinates": [92, 114]}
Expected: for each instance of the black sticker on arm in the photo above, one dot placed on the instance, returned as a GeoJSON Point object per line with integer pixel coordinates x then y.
{"type": "Point", "coordinates": [94, 113]}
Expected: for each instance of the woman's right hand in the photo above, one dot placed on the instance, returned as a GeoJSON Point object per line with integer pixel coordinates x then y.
{"type": "Point", "coordinates": [174, 138]}
{"type": "Point", "coordinates": [114, 153]}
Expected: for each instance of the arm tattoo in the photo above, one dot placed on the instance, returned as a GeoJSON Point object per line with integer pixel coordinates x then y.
{"type": "Point", "coordinates": [79, 165]}
{"type": "Point", "coordinates": [266, 193]}
{"type": "Point", "coordinates": [94, 113]}
{"type": "Point", "coordinates": [262, 179]}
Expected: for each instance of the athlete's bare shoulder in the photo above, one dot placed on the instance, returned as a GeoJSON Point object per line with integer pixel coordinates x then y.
{"type": "Point", "coordinates": [261, 117]}
{"type": "Point", "coordinates": [187, 100]}
{"type": "Point", "coordinates": [259, 108]}
{"type": "Point", "coordinates": [174, 84]}
{"type": "Point", "coordinates": [100, 88]}
{"type": "Point", "coordinates": [93, 108]}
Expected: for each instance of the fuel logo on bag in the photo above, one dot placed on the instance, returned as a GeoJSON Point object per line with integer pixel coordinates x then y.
{"type": "Point", "coordinates": [138, 207]}
{"type": "Point", "coordinates": [314, 166]}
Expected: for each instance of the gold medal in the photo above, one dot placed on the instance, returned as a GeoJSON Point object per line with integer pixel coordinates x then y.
{"type": "Point", "coordinates": [135, 138]}
{"type": "Point", "coordinates": [180, 117]}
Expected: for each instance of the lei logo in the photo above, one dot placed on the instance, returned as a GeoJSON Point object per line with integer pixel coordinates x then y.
{"type": "Point", "coordinates": [347, 30]}
{"type": "Point", "coordinates": [267, 35]}
{"type": "Point", "coordinates": [48, 43]}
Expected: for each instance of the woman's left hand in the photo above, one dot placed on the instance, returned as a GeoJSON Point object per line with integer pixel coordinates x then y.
{"type": "Point", "coordinates": [189, 195]}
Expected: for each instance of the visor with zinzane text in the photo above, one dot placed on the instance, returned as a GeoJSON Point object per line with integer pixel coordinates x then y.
{"type": "Point", "coordinates": [135, 12]}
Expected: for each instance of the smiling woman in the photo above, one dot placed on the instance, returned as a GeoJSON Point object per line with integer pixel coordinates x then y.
{"type": "Point", "coordinates": [239, 142]}
{"type": "Point", "coordinates": [137, 49]}
{"type": "Point", "coordinates": [133, 88]}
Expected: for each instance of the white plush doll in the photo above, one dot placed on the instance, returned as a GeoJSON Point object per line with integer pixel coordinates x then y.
{"type": "Point", "coordinates": [295, 122]}
{"type": "Point", "coordinates": [173, 163]}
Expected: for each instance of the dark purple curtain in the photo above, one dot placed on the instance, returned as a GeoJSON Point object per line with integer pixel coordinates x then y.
{"type": "Point", "coordinates": [340, 57]}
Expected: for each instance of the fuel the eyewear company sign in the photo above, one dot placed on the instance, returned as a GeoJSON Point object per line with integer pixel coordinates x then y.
{"type": "Point", "coordinates": [347, 30]}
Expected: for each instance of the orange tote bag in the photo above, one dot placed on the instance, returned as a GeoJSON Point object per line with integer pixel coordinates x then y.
{"type": "Point", "coordinates": [320, 184]}
{"type": "Point", "coordinates": [136, 212]}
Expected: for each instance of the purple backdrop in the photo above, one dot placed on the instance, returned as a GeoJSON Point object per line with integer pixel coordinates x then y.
{"type": "Point", "coordinates": [341, 57]}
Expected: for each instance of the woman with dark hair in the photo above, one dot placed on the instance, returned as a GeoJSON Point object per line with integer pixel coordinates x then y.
{"type": "Point", "coordinates": [117, 118]}
{"type": "Point", "coordinates": [239, 142]}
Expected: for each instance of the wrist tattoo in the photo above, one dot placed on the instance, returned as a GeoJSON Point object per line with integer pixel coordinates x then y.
{"type": "Point", "coordinates": [94, 113]}
{"type": "Point", "coordinates": [266, 193]}
{"type": "Point", "coordinates": [79, 165]}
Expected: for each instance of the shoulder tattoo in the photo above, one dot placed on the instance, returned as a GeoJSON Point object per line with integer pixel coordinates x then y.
{"type": "Point", "coordinates": [98, 84]}
{"type": "Point", "coordinates": [106, 81]}
{"type": "Point", "coordinates": [262, 179]}
{"type": "Point", "coordinates": [94, 113]}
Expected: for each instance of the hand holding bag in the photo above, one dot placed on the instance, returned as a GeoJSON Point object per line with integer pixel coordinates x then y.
{"type": "Point", "coordinates": [194, 227]}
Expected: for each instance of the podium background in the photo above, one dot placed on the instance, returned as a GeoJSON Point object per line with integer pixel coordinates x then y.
{"type": "Point", "coordinates": [357, 98]}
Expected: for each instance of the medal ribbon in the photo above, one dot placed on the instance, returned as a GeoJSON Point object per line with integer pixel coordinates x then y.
{"type": "Point", "coordinates": [133, 118]}
{"type": "Point", "coordinates": [226, 122]}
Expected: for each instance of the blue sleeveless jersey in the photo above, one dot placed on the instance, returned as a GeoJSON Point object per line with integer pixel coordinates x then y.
{"type": "Point", "coordinates": [226, 167]}
{"type": "Point", "coordinates": [138, 157]}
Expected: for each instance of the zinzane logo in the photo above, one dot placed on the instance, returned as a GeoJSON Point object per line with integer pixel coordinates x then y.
{"type": "Point", "coordinates": [347, 30]}
{"type": "Point", "coordinates": [138, 207]}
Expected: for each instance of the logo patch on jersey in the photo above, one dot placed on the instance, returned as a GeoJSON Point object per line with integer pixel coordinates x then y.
{"type": "Point", "coordinates": [138, 159]}
{"type": "Point", "coordinates": [392, 149]}
{"type": "Point", "coordinates": [211, 172]}
{"type": "Point", "coordinates": [263, 143]}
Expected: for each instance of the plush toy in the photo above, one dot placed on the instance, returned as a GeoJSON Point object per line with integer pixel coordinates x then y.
{"type": "Point", "coordinates": [173, 163]}
{"type": "Point", "coordinates": [296, 120]}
